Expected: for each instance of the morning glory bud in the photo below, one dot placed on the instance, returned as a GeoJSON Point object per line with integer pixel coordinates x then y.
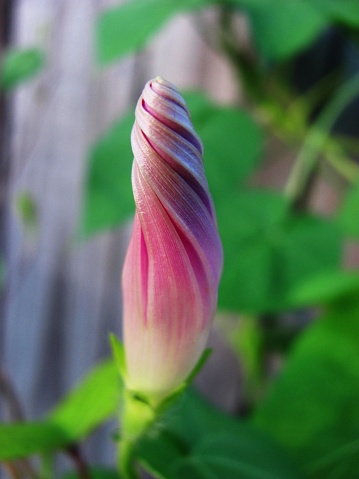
{"type": "Point", "coordinates": [174, 259]}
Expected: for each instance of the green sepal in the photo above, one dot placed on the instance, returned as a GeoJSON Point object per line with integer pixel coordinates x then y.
{"type": "Point", "coordinates": [118, 352]}
{"type": "Point", "coordinates": [199, 365]}
{"type": "Point", "coordinates": [169, 400]}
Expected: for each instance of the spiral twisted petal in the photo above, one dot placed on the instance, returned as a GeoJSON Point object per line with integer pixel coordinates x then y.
{"type": "Point", "coordinates": [174, 260]}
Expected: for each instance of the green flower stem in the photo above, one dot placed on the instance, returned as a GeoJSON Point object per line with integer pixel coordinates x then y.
{"type": "Point", "coordinates": [304, 166]}
{"type": "Point", "coordinates": [316, 140]}
{"type": "Point", "coordinates": [136, 416]}
{"type": "Point", "coordinates": [126, 460]}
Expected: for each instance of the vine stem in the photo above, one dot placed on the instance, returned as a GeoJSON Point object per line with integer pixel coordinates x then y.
{"type": "Point", "coordinates": [126, 459]}
{"type": "Point", "coordinates": [315, 142]}
{"type": "Point", "coordinates": [304, 167]}
{"type": "Point", "coordinates": [136, 416]}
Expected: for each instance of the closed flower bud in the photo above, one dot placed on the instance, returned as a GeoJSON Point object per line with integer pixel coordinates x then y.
{"type": "Point", "coordinates": [174, 259]}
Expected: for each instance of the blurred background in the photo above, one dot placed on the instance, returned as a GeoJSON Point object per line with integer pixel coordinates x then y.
{"type": "Point", "coordinates": [274, 94]}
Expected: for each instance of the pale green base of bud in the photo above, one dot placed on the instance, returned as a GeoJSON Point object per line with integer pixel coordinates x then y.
{"type": "Point", "coordinates": [139, 412]}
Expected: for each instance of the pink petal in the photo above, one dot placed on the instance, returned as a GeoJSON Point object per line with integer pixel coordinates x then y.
{"type": "Point", "coordinates": [174, 260]}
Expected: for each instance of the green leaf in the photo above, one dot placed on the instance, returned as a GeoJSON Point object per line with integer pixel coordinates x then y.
{"type": "Point", "coordinates": [193, 418]}
{"type": "Point", "coordinates": [247, 222]}
{"type": "Point", "coordinates": [282, 28]}
{"type": "Point", "coordinates": [94, 400]}
{"type": "Point", "coordinates": [325, 288]}
{"type": "Point", "coordinates": [158, 450]}
{"type": "Point", "coordinates": [348, 214]}
{"type": "Point", "coordinates": [194, 437]}
{"type": "Point", "coordinates": [108, 191]}
{"type": "Point", "coordinates": [313, 406]}
{"type": "Point", "coordinates": [127, 27]}
{"type": "Point", "coordinates": [345, 11]}
{"type": "Point", "coordinates": [268, 251]}
{"type": "Point", "coordinates": [27, 211]}
{"type": "Point", "coordinates": [24, 439]}
{"type": "Point", "coordinates": [232, 143]}
{"type": "Point", "coordinates": [233, 456]}
{"type": "Point", "coordinates": [20, 65]}
{"type": "Point", "coordinates": [312, 245]}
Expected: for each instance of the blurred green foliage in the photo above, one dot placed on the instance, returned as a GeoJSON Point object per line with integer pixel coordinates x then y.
{"type": "Point", "coordinates": [270, 250]}
{"type": "Point", "coordinates": [24, 439]}
{"type": "Point", "coordinates": [92, 401]}
{"type": "Point", "coordinates": [18, 66]}
{"type": "Point", "coordinates": [313, 406]}
{"type": "Point", "coordinates": [125, 28]}
{"type": "Point", "coordinates": [27, 211]}
{"type": "Point", "coordinates": [273, 26]}
{"type": "Point", "coordinates": [108, 195]}
{"type": "Point", "coordinates": [210, 444]}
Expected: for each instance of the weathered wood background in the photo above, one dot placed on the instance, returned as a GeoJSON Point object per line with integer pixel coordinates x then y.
{"type": "Point", "coordinates": [63, 298]}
